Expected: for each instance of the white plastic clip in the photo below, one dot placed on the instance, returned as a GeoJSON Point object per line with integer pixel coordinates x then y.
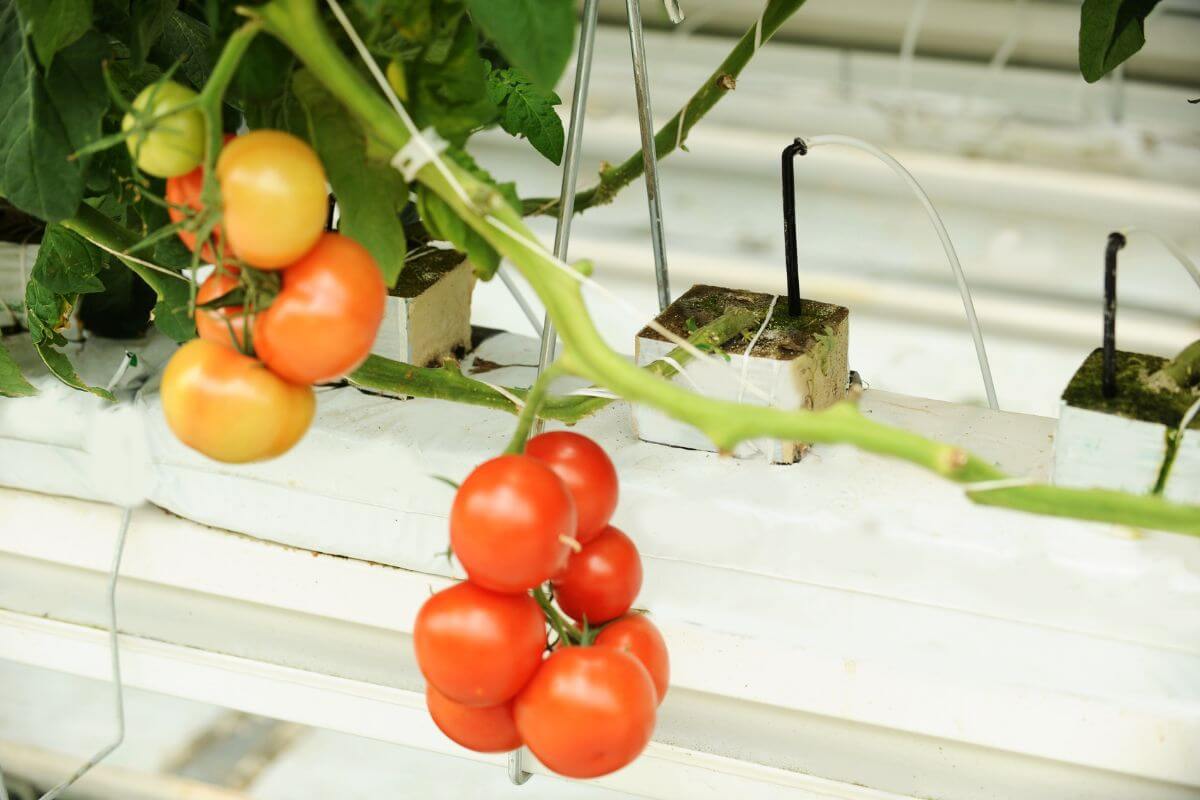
{"type": "Point", "coordinates": [419, 151]}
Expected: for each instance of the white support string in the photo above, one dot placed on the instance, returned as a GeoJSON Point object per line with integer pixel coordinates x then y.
{"type": "Point", "coordinates": [115, 655]}
{"type": "Point", "coordinates": [960, 277]}
{"type": "Point", "coordinates": [519, 296]}
{"type": "Point", "coordinates": [505, 393]}
{"type": "Point", "coordinates": [1173, 247]}
{"type": "Point", "coordinates": [908, 45]}
{"type": "Point", "coordinates": [758, 26]}
{"type": "Point", "coordinates": [750, 347]}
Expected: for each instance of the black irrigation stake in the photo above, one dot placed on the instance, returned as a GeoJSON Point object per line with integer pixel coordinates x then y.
{"type": "Point", "coordinates": [1115, 242]}
{"type": "Point", "coordinates": [790, 152]}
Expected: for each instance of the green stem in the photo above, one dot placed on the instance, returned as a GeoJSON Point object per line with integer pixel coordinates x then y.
{"type": "Point", "coordinates": [567, 632]}
{"type": "Point", "coordinates": [533, 402]}
{"type": "Point", "coordinates": [1184, 369]}
{"type": "Point", "coordinates": [722, 81]}
{"type": "Point", "coordinates": [298, 25]}
{"type": "Point", "coordinates": [1099, 505]}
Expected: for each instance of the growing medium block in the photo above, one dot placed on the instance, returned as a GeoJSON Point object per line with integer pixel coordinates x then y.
{"type": "Point", "coordinates": [796, 363]}
{"type": "Point", "coordinates": [1123, 442]}
{"type": "Point", "coordinates": [428, 312]}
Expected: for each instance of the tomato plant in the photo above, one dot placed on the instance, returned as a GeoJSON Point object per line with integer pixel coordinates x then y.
{"type": "Point", "coordinates": [478, 647]}
{"type": "Point", "coordinates": [587, 712]}
{"type": "Point", "coordinates": [601, 581]}
{"type": "Point", "coordinates": [274, 197]}
{"type": "Point", "coordinates": [174, 142]}
{"type": "Point", "coordinates": [588, 473]}
{"type": "Point", "coordinates": [230, 407]}
{"type": "Point", "coordinates": [484, 729]}
{"type": "Point", "coordinates": [640, 638]}
{"type": "Point", "coordinates": [323, 322]}
{"type": "Point", "coordinates": [510, 523]}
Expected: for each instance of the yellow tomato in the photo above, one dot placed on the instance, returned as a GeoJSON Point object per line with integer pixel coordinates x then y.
{"type": "Point", "coordinates": [230, 407]}
{"type": "Point", "coordinates": [274, 197]}
{"type": "Point", "coordinates": [175, 144]}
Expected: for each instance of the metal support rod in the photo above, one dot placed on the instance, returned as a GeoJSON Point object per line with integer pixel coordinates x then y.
{"type": "Point", "coordinates": [798, 147]}
{"type": "Point", "coordinates": [1116, 241]}
{"type": "Point", "coordinates": [566, 195]}
{"type": "Point", "coordinates": [517, 774]}
{"type": "Point", "coordinates": [637, 45]}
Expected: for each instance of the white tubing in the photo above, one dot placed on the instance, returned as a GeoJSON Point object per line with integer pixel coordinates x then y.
{"type": "Point", "coordinates": [1174, 249]}
{"type": "Point", "coordinates": [960, 277]}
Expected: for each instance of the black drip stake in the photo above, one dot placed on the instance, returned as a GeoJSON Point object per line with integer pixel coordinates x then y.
{"type": "Point", "coordinates": [790, 152]}
{"type": "Point", "coordinates": [1115, 242]}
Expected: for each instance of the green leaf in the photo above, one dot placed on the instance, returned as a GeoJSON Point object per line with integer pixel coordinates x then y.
{"type": "Point", "coordinates": [187, 41]}
{"type": "Point", "coordinates": [1110, 31]}
{"type": "Point", "coordinates": [44, 120]}
{"type": "Point", "coordinates": [449, 89]}
{"type": "Point", "coordinates": [527, 110]}
{"type": "Point", "coordinates": [55, 24]}
{"type": "Point", "coordinates": [66, 264]}
{"type": "Point", "coordinates": [370, 194]}
{"type": "Point", "coordinates": [147, 23]}
{"type": "Point", "coordinates": [122, 310]}
{"type": "Point", "coordinates": [62, 368]}
{"type": "Point", "coordinates": [535, 35]}
{"type": "Point", "coordinates": [12, 382]}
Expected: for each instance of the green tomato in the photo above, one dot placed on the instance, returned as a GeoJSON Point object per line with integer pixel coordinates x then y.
{"type": "Point", "coordinates": [175, 145]}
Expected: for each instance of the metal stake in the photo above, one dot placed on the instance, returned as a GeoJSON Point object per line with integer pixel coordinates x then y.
{"type": "Point", "coordinates": [566, 195]}
{"type": "Point", "coordinates": [637, 45]}
{"type": "Point", "coordinates": [798, 147]}
{"type": "Point", "coordinates": [1116, 241]}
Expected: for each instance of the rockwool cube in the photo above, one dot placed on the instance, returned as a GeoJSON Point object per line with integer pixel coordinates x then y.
{"type": "Point", "coordinates": [797, 363]}
{"type": "Point", "coordinates": [428, 314]}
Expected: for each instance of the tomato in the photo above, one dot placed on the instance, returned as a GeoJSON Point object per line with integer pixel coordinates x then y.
{"type": "Point", "coordinates": [508, 523]}
{"type": "Point", "coordinates": [479, 647]}
{"type": "Point", "coordinates": [183, 198]}
{"type": "Point", "coordinates": [587, 712]}
{"type": "Point", "coordinates": [588, 473]}
{"type": "Point", "coordinates": [274, 197]}
{"type": "Point", "coordinates": [602, 580]}
{"type": "Point", "coordinates": [230, 407]}
{"type": "Point", "coordinates": [639, 637]}
{"type": "Point", "coordinates": [175, 143]}
{"type": "Point", "coordinates": [484, 729]}
{"type": "Point", "coordinates": [323, 322]}
{"type": "Point", "coordinates": [214, 324]}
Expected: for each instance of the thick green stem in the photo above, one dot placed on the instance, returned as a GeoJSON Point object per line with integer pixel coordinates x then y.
{"type": "Point", "coordinates": [1100, 505]}
{"type": "Point", "coordinates": [614, 178]}
{"type": "Point", "coordinates": [1184, 369]}
{"type": "Point", "coordinates": [297, 23]}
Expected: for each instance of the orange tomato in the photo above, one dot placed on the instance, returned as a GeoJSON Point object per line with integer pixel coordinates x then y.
{"type": "Point", "coordinates": [214, 324]}
{"type": "Point", "coordinates": [230, 407]}
{"type": "Point", "coordinates": [274, 197]}
{"type": "Point", "coordinates": [183, 198]}
{"type": "Point", "coordinates": [486, 729]}
{"type": "Point", "coordinates": [640, 638]}
{"type": "Point", "coordinates": [323, 322]}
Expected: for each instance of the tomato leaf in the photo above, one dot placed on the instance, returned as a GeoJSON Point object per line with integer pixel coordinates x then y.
{"type": "Point", "coordinates": [185, 40]}
{"type": "Point", "coordinates": [1110, 31]}
{"type": "Point", "coordinates": [62, 368]}
{"type": "Point", "coordinates": [448, 87]}
{"type": "Point", "coordinates": [55, 24]}
{"type": "Point", "coordinates": [12, 382]}
{"type": "Point", "coordinates": [528, 111]}
{"type": "Point", "coordinates": [44, 120]}
{"type": "Point", "coordinates": [66, 264]}
{"type": "Point", "coordinates": [370, 193]}
{"type": "Point", "coordinates": [535, 35]}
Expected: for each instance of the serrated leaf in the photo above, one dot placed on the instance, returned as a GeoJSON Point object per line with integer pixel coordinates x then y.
{"type": "Point", "coordinates": [12, 382]}
{"type": "Point", "coordinates": [62, 368]}
{"type": "Point", "coordinates": [66, 264]}
{"type": "Point", "coordinates": [1110, 31]}
{"type": "Point", "coordinates": [536, 36]}
{"type": "Point", "coordinates": [186, 40]}
{"type": "Point", "coordinates": [528, 111]}
{"type": "Point", "coordinates": [370, 194]}
{"type": "Point", "coordinates": [55, 24]}
{"type": "Point", "coordinates": [148, 21]}
{"type": "Point", "coordinates": [451, 92]}
{"type": "Point", "coordinates": [44, 120]}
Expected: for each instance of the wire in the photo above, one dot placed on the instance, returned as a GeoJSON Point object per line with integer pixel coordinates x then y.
{"type": "Point", "coordinates": [115, 654]}
{"type": "Point", "coordinates": [960, 277]}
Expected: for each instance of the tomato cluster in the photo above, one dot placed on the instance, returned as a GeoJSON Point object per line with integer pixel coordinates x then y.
{"type": "Point", "coordinates": [242, 391]}
{"type": "Point", "coordinates": [528, 528]}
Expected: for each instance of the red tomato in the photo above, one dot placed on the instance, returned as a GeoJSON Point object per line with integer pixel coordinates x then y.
{"type": "Point", "coordinates": [587, 712]}
{"type": "Point", "coordinates": [486, 729]}
{"type": "Point", "coordinates": [274, 196]}
{"type": "Point", "coordinates": [323, 322]}
{"type": "Point", "coordinates": [639, 637]}
{"type": "Point", "coordinates": [602, 580]}
{"type": "Point", "coordinates": [588, 473]}
{"type": "Point", "coordinates": [479, 647]}
{"type": "Point", "coordinates": [214, 324]}
{"type": "Point", "coordinates": [184, 192]}
{"type": "Point", "coordinates": [230, 407]}
{"type": "Point", "coordinates": [508, 523]}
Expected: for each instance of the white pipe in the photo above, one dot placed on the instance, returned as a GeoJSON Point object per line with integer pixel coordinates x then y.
{"type": "Point", "coordinates": [1175, 249]}
{"type": "Point", "coordinates": [956, 267]}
